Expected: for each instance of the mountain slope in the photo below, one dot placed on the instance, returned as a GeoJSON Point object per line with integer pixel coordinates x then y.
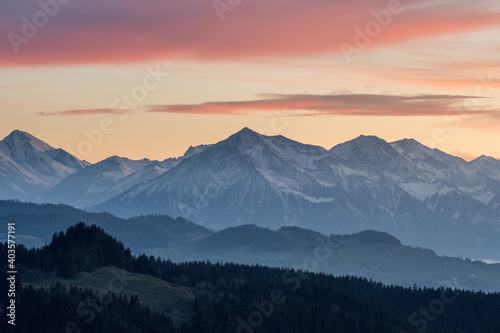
{"type": "Point", "coordinates": [30, 167]}
{"type": "Point", "coordinates": [104, 180]}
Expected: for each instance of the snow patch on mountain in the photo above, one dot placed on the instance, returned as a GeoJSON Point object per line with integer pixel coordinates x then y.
{"type": "Point", "coordinates": [422, 191]}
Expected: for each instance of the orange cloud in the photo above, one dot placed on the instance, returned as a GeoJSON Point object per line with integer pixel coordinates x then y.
{"type": "Point", "coordinates": [346, 105]}
{"type": "Point", "coordinates": [80, 112]}
{"type": "Point", "coordinates": [126, 31]}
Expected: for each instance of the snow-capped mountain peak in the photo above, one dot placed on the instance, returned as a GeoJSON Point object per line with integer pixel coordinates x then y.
{"type": "Point", "coordinates": [487, 166]}
{"type": "Point", "coordinates": [245, 136]}
{"type": "Point", "coordinates": [193, 150]}
{"type": "Point", "coordinates": [485, 159]}
{"type": "Point", "coordinates": [29, 165]}
{"type": "Point", "coordinates": [18, 142]}
{"type": "Point", "coordinates": [369, 150]}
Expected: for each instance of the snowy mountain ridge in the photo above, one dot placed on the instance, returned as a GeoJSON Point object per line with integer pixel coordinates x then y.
{"type": "Point", "coordinates": [415, 193]}
{"type": "Point", "coordinates": [406, 189]}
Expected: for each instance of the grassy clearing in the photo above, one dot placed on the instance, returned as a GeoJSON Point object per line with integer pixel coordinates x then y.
{"type": "Point", "coordinates": [160, 295]}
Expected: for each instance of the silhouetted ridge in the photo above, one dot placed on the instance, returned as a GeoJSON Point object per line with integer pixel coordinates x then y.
{"type": "Point", "coordinates": [371, 236]}
{"type": "Point", "coordinates": [259, 239]}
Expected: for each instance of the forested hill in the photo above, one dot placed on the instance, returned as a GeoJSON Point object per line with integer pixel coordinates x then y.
{"type": "Point", "coordinates": [228, 297]}
{"type": "Point", "coordinates": [35, 224]}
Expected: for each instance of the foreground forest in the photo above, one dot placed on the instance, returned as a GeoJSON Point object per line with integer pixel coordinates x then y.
{"type": "Point", "coordinates": [227, 297]}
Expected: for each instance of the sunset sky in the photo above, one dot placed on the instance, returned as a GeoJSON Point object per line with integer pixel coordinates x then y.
{"type": "Point", "coordinates": [149, 78]}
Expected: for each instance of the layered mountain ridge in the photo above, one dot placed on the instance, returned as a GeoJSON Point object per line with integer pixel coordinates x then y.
{"type": "Point", "coordinates": [423, 196]}
{"type": "Point", "coordinates": [370, 254]}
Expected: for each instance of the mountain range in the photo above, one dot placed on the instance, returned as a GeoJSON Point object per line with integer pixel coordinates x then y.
{"type": "Point", "coordinates": [422, 196]}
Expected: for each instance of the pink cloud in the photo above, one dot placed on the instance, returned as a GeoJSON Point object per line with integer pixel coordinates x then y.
{"type": "Point", "coordinates": [125, 31]}
{"type": "Point", "coordinates": [481, 85]}
{"type": "Point", "coordinates": [346, 105]}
